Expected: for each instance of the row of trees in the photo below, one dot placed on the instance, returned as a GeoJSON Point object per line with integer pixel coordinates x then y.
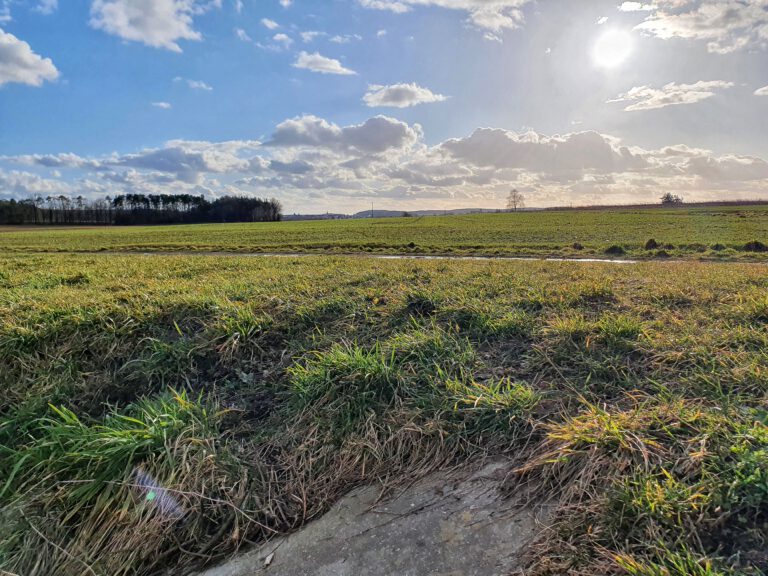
{"type": "Point", "coordinates": [139, 209]}
{"type": "Point", "coordinates": [516, 200]}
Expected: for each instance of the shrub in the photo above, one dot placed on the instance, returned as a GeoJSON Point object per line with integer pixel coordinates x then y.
{"type": "Point", "coordinates": [755, 246]}
{"type": "Point", "coordinates": [651, 244]}
{"type": "Point", "coordinates": [615, 250]}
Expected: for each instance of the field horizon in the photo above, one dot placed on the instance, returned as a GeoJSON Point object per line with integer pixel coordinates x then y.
{"type": "Point", "coordinates": [706, 233]}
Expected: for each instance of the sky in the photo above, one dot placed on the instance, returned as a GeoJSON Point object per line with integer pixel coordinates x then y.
{"type": "Point", "coordinates": [337, 105]}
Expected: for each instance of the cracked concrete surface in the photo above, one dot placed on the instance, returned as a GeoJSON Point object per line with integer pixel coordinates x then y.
{"type": "Point", "coordinates": [453, 524]}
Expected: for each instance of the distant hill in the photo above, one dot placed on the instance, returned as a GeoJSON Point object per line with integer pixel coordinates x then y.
{"type": "Point", "coordinates": [327, 216]}
{"type": "Point", "coordinates": [400, 213]}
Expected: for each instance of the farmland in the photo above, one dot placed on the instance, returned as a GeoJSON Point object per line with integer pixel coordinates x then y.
{"type": "Point", "coordinates": [255, 392]}
{"type": "Point", "coordinates": [712, 233]}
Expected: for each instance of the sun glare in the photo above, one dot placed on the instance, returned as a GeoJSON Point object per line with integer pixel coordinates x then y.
{"type": "Point", "coordinates": [612, 48]}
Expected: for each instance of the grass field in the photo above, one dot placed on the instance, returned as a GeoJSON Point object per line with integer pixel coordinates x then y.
{"type": "Point", "coordinates": [695, 233]}
{"type": "Point", "coordinates": [161, 411]}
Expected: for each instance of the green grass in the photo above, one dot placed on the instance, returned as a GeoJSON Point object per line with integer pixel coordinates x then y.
{"type": "Point", "coordinates": [255, 392]}
{"type": "Point", "coordinates": [696, 232]}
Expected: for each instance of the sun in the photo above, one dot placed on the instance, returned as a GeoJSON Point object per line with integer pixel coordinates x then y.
{"type": "Point", "coordinates": [612, 48]}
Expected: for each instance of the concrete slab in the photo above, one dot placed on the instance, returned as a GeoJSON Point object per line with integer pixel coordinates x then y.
{"type": "Point", "coordinates": [445, 525]}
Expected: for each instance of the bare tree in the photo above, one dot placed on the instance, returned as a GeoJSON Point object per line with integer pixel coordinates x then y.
{"type": "Point", "coordinates": [670, 199]}
{"type": "Point", "coordinates": [515, 200]}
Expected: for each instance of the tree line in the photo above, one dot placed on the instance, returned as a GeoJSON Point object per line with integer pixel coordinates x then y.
{"type": "Point", "coordinates": [135, 209]}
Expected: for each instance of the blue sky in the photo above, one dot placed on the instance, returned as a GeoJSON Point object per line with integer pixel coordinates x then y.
{"type": "Point", "coordinates": [332, 105]}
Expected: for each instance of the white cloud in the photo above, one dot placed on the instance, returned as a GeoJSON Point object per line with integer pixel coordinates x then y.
{"type": "Point", "coordinates": [187, 160]}
{"type": "Point", "coordinates": [648, 98]}
{"type": "Point", "coordinates": [238, 6]}
{"type": "Point", "coordinates": [27, 184]}
{"type": "Point", "coordinates": [242, 35]}
{"type": "Point", "coordinates": [283, 39]}
{"type": "Point", "coordinates": [602, 20]}
{"type": "Point", "coordinates": [310, 36]}
{"type": "Point", "coordinates": [156, 23]}
{"type": "Point", "coordinates": [194, 84]}
{"type": "Point", "coordinates": [319, 63]}
{"type": "Point", "coordinates": [47, 6]}
{"type": "Point", "coordinates": [400, 96]}
{"type": "Point", "coordinates": [20, 65]}
{"type": "Point", "coordinates": [286, 3]}
{"type": "Point", "coordinates": [381, 33]}
{"type": "Point", "coordinates": [269, 24]}
{"type": "Point", "coordinates": [374, 136]}
{"type": "Point", "coordinates": [162, 105]}
{"type": "Point", "coordinates": [726, 25]}
{"type": "Point", "coordinates": [557, 156]}
{"type": "Point", "coordinates": [762, 91]}
{"type": "Point", "coordinates": [198, 85]}
{"type": "Point", "coordinates": [311, 161]}
{"type": "Point", "coordinates": [64, 160]}
{"type": "Point", "coordinates": [491, 16]}
{"type": "Point", "coordinates": [345, 39]}
{"type": "Point", "coordinates": [635, 7]}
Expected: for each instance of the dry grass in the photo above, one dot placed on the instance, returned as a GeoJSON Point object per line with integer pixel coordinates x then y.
{"type": "Point", "coordinates": [165, 411]}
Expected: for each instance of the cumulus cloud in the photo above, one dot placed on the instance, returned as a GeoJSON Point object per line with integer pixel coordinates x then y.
{"type": "Point", "coordinates": [316, 62]}
{"type": "Point", "coordinates": [188, 160]}
{"type": "Point", "coordinates": [648, 98]}
{"type": "Point", "coordinates": [400, 96]}
{"type": "Point", "coordinates": [162, 105]}
{"type": "Point", "coordinates": [26, 184]}
{"type": "Point", "coordinates": [557, 156]}
{"type": "Point", "coordinates": [310, 160]}
{"type": "Point", "coordinates": [762, 91]}
{"type": "Point", "coordinates": [725, 25]}
{"type": "Point", "coordinates": [374, 136]}
{"type": "Point", "coordinates": [156, 23]}
{"type": "Point", "coordinates": [491, 16]}
{"type": "Point", "coordinates": [19, 64]}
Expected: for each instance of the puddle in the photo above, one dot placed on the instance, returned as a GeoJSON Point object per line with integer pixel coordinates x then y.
{"type": "Point", "coordinates": [378, 256]}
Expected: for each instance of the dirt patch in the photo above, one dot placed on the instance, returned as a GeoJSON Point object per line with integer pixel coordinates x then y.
{"type": "Point", "coordinates": [448, 524]}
